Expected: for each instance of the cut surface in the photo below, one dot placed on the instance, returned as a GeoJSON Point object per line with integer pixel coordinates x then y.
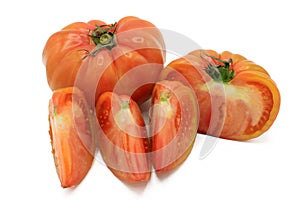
{"type": "Point", "coordinates": [174, 122]}
{"type": "Point", "coordinates": [71, 136]}
{"type": "Point", "coordinates": [123, 141]}
{"type": "Point", "coordinates": [239, 112]}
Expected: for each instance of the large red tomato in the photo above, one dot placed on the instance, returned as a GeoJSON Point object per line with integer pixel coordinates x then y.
{"type": "Point", "coordinates": [237, 98]}
{"type": "Point", "coordinates": [126, 56]}
{"type": "Point", "coordinates": [71, 133]}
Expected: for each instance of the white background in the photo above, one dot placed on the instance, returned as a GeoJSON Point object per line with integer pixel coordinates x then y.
{"type": "Point", "coordinates": [266, 32]}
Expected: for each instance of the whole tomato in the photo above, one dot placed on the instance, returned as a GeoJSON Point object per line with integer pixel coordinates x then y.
{"type": "Point", "coordinates": [96, 57]}
{"type": "Point", "coordinates": [237, 98]}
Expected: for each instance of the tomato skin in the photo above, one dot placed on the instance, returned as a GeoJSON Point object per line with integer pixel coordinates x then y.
{"type": "Point", "coordinates": [71, 133]}
{"type": "Point", "coordinates": [138, 43]}
{"type": "Point", "coordinates": [241, 109]}
{"type": "Point", "coordinates": [122, 140]}
{"type": "Point", "coordinates": [174, 122]}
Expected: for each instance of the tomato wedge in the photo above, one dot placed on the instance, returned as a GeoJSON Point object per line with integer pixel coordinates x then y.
{"type": "Point", "coordinates": [71, 133]}
{"type": "Point", "coordinates": [237, 98]}
{"type": "Point", "coordinates": [123, 141]}
{"type": "Point", "coordinates": [174, 122]}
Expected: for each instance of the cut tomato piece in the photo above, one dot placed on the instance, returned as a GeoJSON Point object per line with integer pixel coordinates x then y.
{"type": "Point", "coordinates": [71, 133]}
{"type": "Point", "coordinates": [237, 98]}
{"type": "Point", "coordinates": [123, 140]}
{"type": "Point", "coordinates": [174, 122]}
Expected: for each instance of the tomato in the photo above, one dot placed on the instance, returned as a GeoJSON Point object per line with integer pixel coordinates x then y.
{"type": "Point", "coordinates": [237, 98]}
{"type": "Point", "coordinates": [123, 141]}
{"type": "Point", "coordinates": [94, 56]}
{"type": "Point", "coordinates": [173, 126]}
{"type": "Point", "coordinates": [71, 133]}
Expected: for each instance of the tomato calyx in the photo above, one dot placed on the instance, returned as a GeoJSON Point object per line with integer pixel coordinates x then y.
{"type": "Point", "coordinates": [220, 72]}
{"type": "Point", "coordinates": [103, 37]}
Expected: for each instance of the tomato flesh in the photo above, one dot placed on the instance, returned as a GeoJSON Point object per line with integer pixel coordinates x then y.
{"type": "Point", "coordinates": [71, 133]}
{"type": "Point", "coordinates": [251, 103]}
{"type": "Point", "coordinates": [123, 141]}
{"type": "Point", "coordinates": [173, 127]}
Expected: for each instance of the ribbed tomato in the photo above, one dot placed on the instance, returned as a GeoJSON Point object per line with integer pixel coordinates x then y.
{"type": "Point", "coordinates": [96, 57]}
{"type": "Point", "coordinates": [71, 133]}
{"type": "Point", "coordinates": [237, 98]}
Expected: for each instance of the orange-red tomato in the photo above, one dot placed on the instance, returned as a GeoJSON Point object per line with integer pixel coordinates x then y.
{"type": "Point", "coordinates": [174, 122]}
{"type": "Point", "coordinates": [71, 133]}
{"type": "Point", "coordinates": [237, 98]}
{"type": "Point", "coordinates": [96, 57]}
{"type": "Point", "coordinates": [123, 140]}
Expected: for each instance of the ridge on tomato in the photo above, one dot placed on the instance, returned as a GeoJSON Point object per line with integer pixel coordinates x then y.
{"type": "Point", "coordinates": [95, 56]}
{"type": "Point", "coordinates": [122, 139]}
{"type": "Point", "coordinates": [173, 125]}
{"type": "Point", "coordinates": [237, 98]}
{"type": "Point", "coordinates": [72, 135]}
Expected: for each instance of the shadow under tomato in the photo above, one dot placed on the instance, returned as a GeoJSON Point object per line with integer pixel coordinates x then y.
{"type": "Point", "coordinates": [138, 187]}
{"type": "Point", "coordinates": [165, 174]}
{"type": "Point", "coordinates": [263, 139]}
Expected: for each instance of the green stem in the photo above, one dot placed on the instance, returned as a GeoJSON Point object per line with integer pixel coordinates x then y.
{"type": "Point", "coordinates": [222, 72]}
{"type": "Point", "coordinates": [103, 37]}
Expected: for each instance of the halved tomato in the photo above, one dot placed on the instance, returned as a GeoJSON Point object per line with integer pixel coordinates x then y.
{"type": "Point", "coordinates": [123, 140]}
{"type": "Point", "coordinates": [173, 126]}
{"type": "Point", "coordinates": [71, 133]}
{"type": "Point", "coordinates": [237, 98]}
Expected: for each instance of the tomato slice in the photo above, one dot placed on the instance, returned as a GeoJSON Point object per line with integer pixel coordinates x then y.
{"type": "Point", "coordinates": [174, 122]}
{"type": "Point", "coordinates": [123, 140]}
{"type": "Point", "coordinates": [71, 133]}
